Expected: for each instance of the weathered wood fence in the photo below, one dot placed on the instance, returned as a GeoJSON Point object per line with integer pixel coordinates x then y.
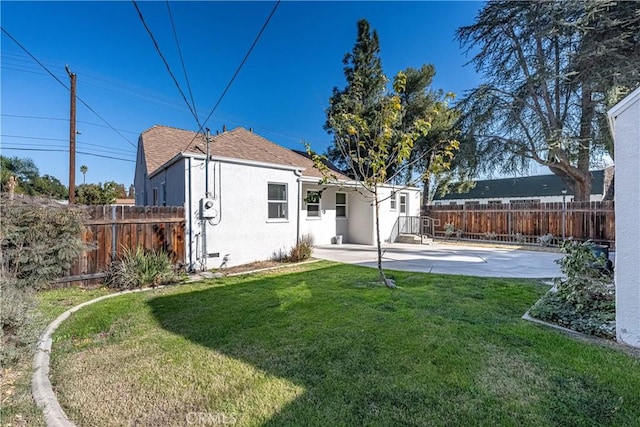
{"type": "Point", "coordinates": [110, 230]}
{"type": "Point", "coordinates": [527, 222]}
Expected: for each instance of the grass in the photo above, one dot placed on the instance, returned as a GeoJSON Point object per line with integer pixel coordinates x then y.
{"type": "Point", "coordinates": [17, 407]}
{"type": "Point", "coordinates": [325, 345]}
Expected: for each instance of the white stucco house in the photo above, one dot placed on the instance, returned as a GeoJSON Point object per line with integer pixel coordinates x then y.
{"type": "Point", "coordinates": [256, 197]}
{"type": "Point", "coordinates": [624, 120]}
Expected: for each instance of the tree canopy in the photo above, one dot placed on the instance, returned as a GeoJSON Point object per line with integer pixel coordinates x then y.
{"type": "Point", "coordinates": [550, 71]}
{"type": "Point", "coordinates": [375, 128]}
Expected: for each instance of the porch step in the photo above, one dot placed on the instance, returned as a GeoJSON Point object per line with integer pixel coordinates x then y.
{"type": "Point", "coordinates": [413, 239]}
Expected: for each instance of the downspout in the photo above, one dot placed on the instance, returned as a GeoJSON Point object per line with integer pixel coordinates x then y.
{"type": "Point", "coordinates": [203, 221]}
{"type": "Point", "coordinates": [190, 223]}
{"type": "Point", "coordinates": [298, 173]}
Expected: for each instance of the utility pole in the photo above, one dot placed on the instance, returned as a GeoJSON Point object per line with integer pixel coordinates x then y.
{"type": "Point", "coordinates": [72, 139]}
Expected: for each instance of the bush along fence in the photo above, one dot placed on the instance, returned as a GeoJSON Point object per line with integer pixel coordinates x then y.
{"type": "Point", "coordinates": [110, 231]}
{"type": "Point", "coordinates": [543, 224]}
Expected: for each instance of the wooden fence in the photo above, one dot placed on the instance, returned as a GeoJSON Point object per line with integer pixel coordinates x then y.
{"type": "Point", "coordinates": [109, 230]}
{"type": "Point", "coordinates": [527, 222]}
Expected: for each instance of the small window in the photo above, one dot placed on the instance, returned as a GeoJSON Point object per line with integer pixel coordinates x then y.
{"type": "Point", "coordinates": [494, 202]}
{"type": "Point", "coordinates": [453, 203]}
{"type": "Point", "coordinates": [403, 203]}
{"type": "Point", "coordinates": [164, 194]}
{"type": "Point", "coordinates": [341, 205]}
{"type": "Point", "coordinates": [472, 203]}
{"type": "Point", "coordinates": [438, 203]}
{"type": "Point", "coordinates": [393, 201]}
{"type": "Point", "coordinates": [155, 196]}
{"type": "Point", "coordinates": [277, 201]}
{"type": "Point", "coordinates": [313, 204]}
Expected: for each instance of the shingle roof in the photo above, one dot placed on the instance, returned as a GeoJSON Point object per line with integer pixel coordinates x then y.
{"type": "Point", "coordinates": [530, 186]}
{"type": "Point", "coordinates": [162, 143]}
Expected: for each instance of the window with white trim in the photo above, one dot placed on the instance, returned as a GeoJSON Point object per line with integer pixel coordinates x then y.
{"type": "Point", "coordinates": [313, 204]}
{"type": "Point", "coordinates": [341, 205]}
{"type": "Point", "coordinates": [393, 201]}
{"type": "Point", "coordinates": [403, 203]}
{"type": "Point", "coordinates": [277, 201]}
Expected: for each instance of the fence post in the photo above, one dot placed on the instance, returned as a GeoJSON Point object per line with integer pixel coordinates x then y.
{"type": "Point", "coordinates": [113, 233]}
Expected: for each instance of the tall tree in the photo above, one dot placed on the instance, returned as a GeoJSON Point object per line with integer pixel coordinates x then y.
{"type": "Point", "coordinates": [366, 87]}
{"type": "Point", "coordinates": [550, 70]}
{"type": "Point", "coordinates": [420, 101]}
{"type": "Point", "coordinates": [84, 169]}
{"type": "Point", "coordinates": [371, 139]}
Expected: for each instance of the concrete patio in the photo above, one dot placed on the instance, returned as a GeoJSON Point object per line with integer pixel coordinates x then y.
{"type": "Point", "coordinates": [437, 257]}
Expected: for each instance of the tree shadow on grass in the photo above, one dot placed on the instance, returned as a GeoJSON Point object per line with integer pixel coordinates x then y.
{"type": "Point", "coordinates": [323, 330]}
{"type": "Point", "coordinates": [363, 354]}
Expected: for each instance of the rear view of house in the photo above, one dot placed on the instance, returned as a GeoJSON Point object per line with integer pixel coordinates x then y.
{"type": "Point", "coordinates": [253, 198]}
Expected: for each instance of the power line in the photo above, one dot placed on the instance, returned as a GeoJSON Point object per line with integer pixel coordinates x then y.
{"type": "Point", "coordinates": [62, 119]}
{"type": "Point", "coordinates": [166, 64]}
{"type": "Point", "coordinates": [66, 151]}
{"type": "Point", "coordinates": [65, 86]}
{"type": "Point", "coordinates": [184, 69]}
{"type": "Point", "coordinates": [41, 145]}
{"type": "Point", "coordinates": [62, 140]}
{"type": "Point", "coordinates": [224, 92]}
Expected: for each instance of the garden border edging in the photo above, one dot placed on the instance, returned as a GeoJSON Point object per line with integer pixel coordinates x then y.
{"type": "Point", "coordinates": [41, 387]}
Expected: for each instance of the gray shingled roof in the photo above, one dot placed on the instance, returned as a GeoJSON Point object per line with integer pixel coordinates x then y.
{"type": "Point", "coordinates": [530, 186]}
{"type": "Point", "coordinates": [162, 143]}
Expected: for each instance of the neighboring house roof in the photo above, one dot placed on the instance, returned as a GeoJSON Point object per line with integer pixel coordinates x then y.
{"type": "Point", "coordinates": [162, 143]}
{"type": "Point", "coordinates": [531, 186]}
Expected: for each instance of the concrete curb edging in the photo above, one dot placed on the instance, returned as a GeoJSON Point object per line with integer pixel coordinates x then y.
{"type": "Point", "coordinates": [41, 387]}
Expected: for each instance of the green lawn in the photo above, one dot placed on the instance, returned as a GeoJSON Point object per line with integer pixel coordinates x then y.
{"type": "Point", "coordinates": [326, 345]}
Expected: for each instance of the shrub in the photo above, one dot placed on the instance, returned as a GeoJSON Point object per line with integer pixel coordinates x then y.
{"type": "Point", "coordinates": [138, 269]}
{"type": "Point", "coordinates": [39, 240]}
{"type": "Point", "coordinates": [19, 320]}
{"type": "Point", "coordinates": [449, 229]}
{"type": "Point", "coordinates": [545, 240]}
{"type": "Point", "coordinates": [584, 299]}
{"type": "Point", "coordinates": [302, 250]}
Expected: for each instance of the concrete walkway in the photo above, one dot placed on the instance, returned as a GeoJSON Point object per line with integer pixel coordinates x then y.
{"type": "Point", "coordinates": [445, 258]}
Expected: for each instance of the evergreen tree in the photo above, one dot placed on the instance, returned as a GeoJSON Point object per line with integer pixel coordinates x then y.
{"type": "Point", "coordinates": [551, 70]}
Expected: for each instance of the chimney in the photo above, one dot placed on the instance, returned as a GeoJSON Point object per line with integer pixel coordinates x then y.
{"type": "Point", "coordinates": [224, 128]}
{"type": "Point", "coordinates": [251, 130]}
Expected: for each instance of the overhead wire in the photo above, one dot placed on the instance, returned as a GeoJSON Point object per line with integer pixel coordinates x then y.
{"type": "Point", "coordinates": [62, 140]}
{"type": "Point", "coordinates": [184, 68]}
{"type": "Point", "coordinates": [66, 87]}
{"type": "Point", "coordinates": [166, 64]}
{"type": "Point", "coordinates": [226, 89]}
{"type": "Point", "coordinates": [66, 150]}
{"type": "Point", "coordinates": [61, 119]}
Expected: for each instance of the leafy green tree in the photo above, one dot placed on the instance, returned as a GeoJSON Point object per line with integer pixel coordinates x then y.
{"type": "Point", "coordinates": [24, 170]}
{"type": "Point", "coordinates": [419, 100]}
{"type": "Point", "coordinates": [99, 194]}
{"type": "Point", "coordinates": [551, 69]}
{"type": "Point", "coordinates": [51, 186]}
{"type": "Point", "coordinates": [371, 139]}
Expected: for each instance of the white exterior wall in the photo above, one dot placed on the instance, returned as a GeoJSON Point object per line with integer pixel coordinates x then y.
{"type": "Point", "coordinates": [625, 120]}
{"type": "Point", "coordinates": [388, 217]}
{"type": "Point", "coordinates": [173, 179]}
{"type": "Point", "coordinates": [324, 228]}
{"type": "Point", "coordinates": [242, 232]}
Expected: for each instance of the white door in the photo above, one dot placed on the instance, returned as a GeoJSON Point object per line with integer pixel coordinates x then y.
{"type": "Point", "coordinates": [403, 203]}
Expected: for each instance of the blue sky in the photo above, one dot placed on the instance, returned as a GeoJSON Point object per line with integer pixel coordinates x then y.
{"type": "Point", "coordinates": [281, 92]}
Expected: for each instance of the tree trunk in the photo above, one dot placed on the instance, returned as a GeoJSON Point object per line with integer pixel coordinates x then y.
{"type": "Point", "coordinates": [583, 185]}
{"type": "Point", "coordinates": [388, 282]}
